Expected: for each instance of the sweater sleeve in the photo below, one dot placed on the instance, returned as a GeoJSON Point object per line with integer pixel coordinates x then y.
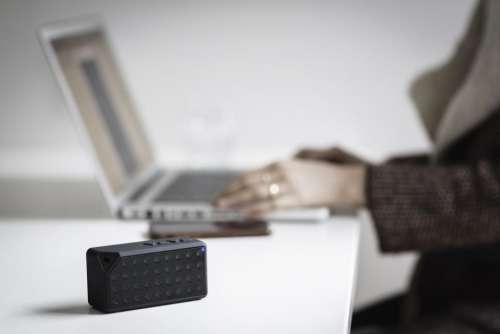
{"type": "Point", "coordinates": [422, 207]}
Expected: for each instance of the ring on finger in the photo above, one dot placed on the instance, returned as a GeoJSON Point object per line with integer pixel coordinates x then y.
{"type": "Point", "coordinates": [274, 189]}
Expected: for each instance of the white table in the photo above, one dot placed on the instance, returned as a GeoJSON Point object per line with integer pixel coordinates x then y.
{"type": "Point", "coordinates": [298, 280]}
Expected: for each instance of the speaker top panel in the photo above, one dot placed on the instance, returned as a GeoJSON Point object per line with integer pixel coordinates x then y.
{"type": "Point", "coordinates": [146, 247]}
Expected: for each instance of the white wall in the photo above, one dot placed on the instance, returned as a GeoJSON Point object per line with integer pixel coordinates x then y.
{"type": "Point", "coordinates": [290, 73]}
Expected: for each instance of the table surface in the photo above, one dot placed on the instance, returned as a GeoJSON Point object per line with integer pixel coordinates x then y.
{"type": "Point", "coordinates": [298, 280]}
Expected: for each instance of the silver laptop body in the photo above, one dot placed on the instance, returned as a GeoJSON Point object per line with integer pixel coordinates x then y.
{"type": "Point", "coordinates": [134, 186]}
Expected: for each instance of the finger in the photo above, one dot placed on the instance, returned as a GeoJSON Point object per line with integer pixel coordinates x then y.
{"type": "Point", "coordinates": [333, 155]}
{"type": "Point", "coordinates": [243, 181]}
{"type": "Point", "coordinates": [339, 155]}
{"type": "Point", "coordinates": [243, 196]}
{"type": "Point", "coordinates": [318, 154]}
{"type": "Point", "coordinates": [246, 197]}
{"type": "Point", "coordinates": [305, 153]}
{"type": "Point", "coordinates": [257, 210]}
{"type": "Point", "coordinates": [264, 175]}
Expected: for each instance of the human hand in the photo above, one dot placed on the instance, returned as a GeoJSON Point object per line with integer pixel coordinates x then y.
{"type": "Point", "coordinates": [333, 154]}
{"type": "Point", "coordinates": [295, 183]}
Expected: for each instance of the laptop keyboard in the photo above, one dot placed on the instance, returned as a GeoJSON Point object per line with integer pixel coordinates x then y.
{"type": "Point", "coordinates": [195, 187]}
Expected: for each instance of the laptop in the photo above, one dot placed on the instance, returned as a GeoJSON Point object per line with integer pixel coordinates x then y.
{"type": "Point", "coordinates": [134, 185]}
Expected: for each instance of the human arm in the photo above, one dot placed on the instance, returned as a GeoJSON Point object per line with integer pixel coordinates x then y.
{"type": "Point", "coordinates": [430, 207]}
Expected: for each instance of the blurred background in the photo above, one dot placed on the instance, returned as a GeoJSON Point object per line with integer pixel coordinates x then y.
{"type": "Point", "coordinates": [233, 83]}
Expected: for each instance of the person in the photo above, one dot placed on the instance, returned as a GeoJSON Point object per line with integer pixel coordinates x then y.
{"type": "Point", "coordinates": [445, 204]}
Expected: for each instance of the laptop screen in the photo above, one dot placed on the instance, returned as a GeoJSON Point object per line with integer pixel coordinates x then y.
{"type": "Point", "coordinates": [105, 108]}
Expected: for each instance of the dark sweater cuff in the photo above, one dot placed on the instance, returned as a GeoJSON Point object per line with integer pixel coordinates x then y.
{"type": "Point", "coordinates": [390, 199]}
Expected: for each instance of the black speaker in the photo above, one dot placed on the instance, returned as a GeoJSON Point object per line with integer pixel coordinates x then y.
{"type": "Point", "coordinates": [143, 274]}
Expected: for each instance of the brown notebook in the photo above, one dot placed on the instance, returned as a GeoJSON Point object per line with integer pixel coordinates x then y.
{"type": "Point", "coordinates": [208, 230]}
